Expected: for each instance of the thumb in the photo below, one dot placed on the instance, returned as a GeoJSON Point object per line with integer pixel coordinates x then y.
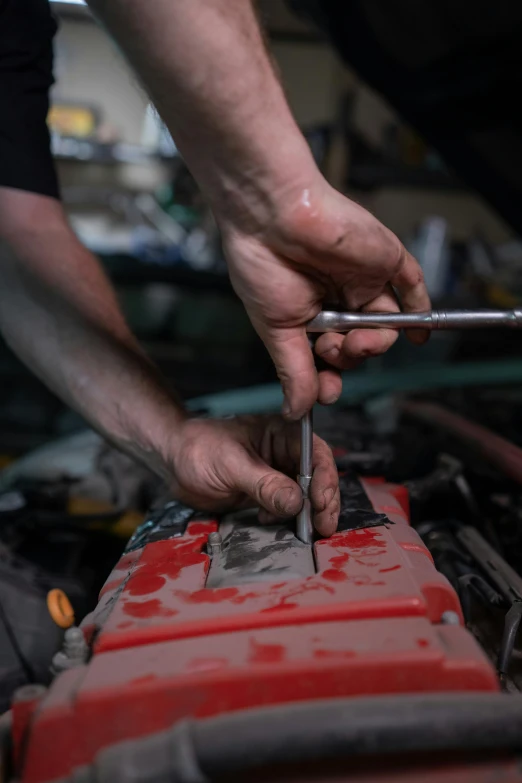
{"type": "Point", "coordinates": [294, 363]}
{"type": "Point", "coordinates": [271, 490]}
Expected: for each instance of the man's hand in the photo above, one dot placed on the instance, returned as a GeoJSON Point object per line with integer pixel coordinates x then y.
{"type": "Point", "coordinates": [248, 461]}
{"type": "Point", "coordinates": [319, 249]}
{"type": "Point", "coordinates": [292, 242]}
{"type": "Point", "coordinates": [69, 330]}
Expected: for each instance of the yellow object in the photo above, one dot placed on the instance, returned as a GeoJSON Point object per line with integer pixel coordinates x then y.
{"type": "Point", "coordinates": [69, 120]}
{"type": "Point", "coordinates": [60, 608]}
{"type": "Point", "coordinates": [123, 527]}
{"type": "Point", "coordinates": [79, 505]}
{"type": "Point", "coordinates": [127, 524]}
{"type": "Point", "coordinates": [500, 297]}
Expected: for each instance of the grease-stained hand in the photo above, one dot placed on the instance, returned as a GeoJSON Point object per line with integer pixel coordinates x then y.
{"type": "Point", "coordinates": [252, 460]}
{"type": "Point", "coordinates": [319, 248]}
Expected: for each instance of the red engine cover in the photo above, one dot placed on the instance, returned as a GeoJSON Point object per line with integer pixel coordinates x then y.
{"type": "Point", "coordinates": [165, 646]}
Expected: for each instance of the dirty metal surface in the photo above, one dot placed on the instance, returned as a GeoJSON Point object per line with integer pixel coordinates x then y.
{"type": "Point", "coordinates": [162, 593]}
{"type": "Point", "coordinates": [258, 553]}
{"type": "Point", "coordinates": [124, 694]}
{"type": "Point", "coordinates": [166, 645]}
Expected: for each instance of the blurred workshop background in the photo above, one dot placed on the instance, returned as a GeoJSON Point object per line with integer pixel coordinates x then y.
{"type": "Point", "coordinates": [132, 201]}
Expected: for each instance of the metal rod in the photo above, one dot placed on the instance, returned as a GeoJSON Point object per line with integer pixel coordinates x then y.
{"type": "Point", "coordinates": [304, 518]}
{"type": "Point", "coordinates": [329, 321]}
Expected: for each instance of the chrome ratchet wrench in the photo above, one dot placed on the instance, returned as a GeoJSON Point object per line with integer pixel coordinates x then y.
{"type": "Point", "coordinates": [330, 321]}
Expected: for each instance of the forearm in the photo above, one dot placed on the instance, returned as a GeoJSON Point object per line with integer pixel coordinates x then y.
{"type": "Point", "coordinates": [59, 314]}
{"type": "Point", "coordinates": [207, 70]}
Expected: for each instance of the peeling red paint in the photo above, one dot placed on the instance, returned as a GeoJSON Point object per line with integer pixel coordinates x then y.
{"type": "Point", "coordinates": [207, 664]}
{"type": "Point", "coordinates": [329, 654]}
{"type": "Point", "coordinates": [193, 545]}
{"type": "Point", "coordinates": [408, 546]}
{"type": "Point", "coordinates": [145, 680]}
{"type": "Point", "coordinates": [334, 576]}
{"type": "Point", "coordinates": [173, 568]}
{"type": "Point", "coordinates": [367, 538]}
{"type": "Point", "coordinates": [206, 596]}
{"type": "Point", "coordinates": [339, 560]}
{"type": "Point", "coordinates": [147, 609]}
{"type": "Point", "coordinates": [143, 584]}
{"type": "Point", "coordinates": [367, 580]}
{"type": "Point", "coordinates": [125, 562]}
{"type": "Point", "coordinates": [283, 604]}
{"type": "Point", "coordinates": [195, 653]}
{"type": "Point", "coordinates": [202, 527]}
{"type": "Point", "coordinates": [352, 566]}
{"type": "Point", "coordinates": [109, 586]}
{"type": "Point", "coordinates": [266, 653]}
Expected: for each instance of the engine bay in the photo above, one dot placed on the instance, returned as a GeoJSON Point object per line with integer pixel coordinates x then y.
{"type": "Point", "coordinates": [186, 615]}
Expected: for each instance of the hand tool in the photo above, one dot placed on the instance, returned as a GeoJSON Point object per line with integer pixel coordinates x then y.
{"type": "Point", "coordinates": [304, 518]}
{"type": "Point", "coordinates": [328, 321]}
{"type": "Point", "coordinates": [331, 321]}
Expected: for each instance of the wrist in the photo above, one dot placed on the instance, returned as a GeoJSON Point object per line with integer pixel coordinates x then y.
{"type": "Point", "coordinates": [250, 193]}
{"type": "Point", "coordinates": [156, 441]}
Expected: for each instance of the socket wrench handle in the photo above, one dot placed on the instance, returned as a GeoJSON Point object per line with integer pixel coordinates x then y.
{"type": "Point", "coordinates": [330, 321]}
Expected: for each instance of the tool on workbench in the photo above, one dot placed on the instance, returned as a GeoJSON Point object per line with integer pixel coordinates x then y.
{"type": "Point", "coordinates": [331, 321]}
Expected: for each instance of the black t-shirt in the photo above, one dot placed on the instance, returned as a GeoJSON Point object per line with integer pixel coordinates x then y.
{"type": "Point", "coordinates": [26, 61]}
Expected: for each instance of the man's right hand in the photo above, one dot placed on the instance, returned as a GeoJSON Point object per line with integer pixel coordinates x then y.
{"type": "Point", "coordinates": [319, 249]}
{"type": "Point", "coordinates": [293, 243]}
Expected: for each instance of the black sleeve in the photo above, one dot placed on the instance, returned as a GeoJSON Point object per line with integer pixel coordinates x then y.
{"type": "Point", "coordinates": [26, 61]}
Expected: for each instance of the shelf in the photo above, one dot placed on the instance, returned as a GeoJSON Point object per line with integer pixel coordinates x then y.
{"type": "Point", "coordinates": [85, 151]}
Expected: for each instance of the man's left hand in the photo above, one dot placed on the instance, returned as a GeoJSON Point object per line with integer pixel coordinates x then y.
{"type": "Point", "coordinates": [252, 460]}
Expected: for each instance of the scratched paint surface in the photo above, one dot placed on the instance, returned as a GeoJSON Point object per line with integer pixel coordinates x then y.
{"type": "Point", "coordinates": [171, 648]}
{"type": "Point", "coordinates": [381, 641]}
{"type": "Point", "coordinates": [375, 572]}
{"type": "Point", "coordinates": [124, 694]}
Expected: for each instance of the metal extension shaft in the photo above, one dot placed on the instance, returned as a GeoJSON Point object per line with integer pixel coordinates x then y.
{"type": "Point", "coordinates": [304, 518]}
{"type": "Point", "coordinates": [329, 321]}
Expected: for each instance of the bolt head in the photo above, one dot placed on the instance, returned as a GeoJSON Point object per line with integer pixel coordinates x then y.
{"type": "Point", "coordinates": [450, 618]}
{"type": "Point", "coordinates": [214, 543]}
{"type": "Point", "coordinates": [74, 635]}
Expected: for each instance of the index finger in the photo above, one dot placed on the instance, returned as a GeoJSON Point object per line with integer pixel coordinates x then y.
{"type": "Point", "coordinates": [295, 366]}
{"type": "Point", "coordinates": [409, 283]}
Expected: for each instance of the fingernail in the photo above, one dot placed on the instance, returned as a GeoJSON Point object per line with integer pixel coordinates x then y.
{"type": "Point", "coordinates": [286, 409]}
{"type": "Point", "coordinates": [331, 399]}
{"type": "Point", "coordinates": [284, 500]}
{"type": "Point", "coordinates": [332, 353]}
